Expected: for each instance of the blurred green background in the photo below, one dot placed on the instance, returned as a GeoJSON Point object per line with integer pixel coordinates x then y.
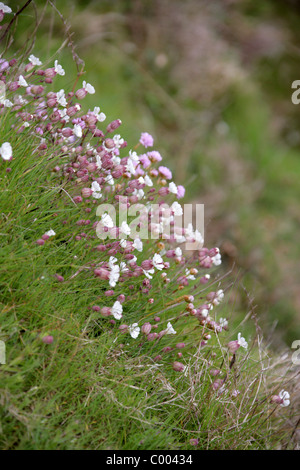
{"type": "Point", "coordinates": [211, 81]}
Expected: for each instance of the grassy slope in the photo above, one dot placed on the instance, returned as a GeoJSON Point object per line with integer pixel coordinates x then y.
{"type": "Point", "coordinates": [65, 395]}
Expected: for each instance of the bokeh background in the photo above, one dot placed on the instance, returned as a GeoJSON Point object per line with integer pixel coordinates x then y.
{"type": "Point", "coordinates": [211, 81]}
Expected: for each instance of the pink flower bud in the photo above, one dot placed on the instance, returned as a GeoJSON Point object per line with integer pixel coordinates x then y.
{"type": "Point", "coordinates": [123, 328]}
{"type": "Point", "coordinates": [47, 339]}
{"type": "Point", "coordinates": [233, 346]}
{"type": "Point", "coordinates": [194, 442]}
{"type": "Point", "coordinates": [86, 192]}
{"type": "Point", "coordinates": [81, 93]}
{"type": "Point", "coordinates": [106, 311]}
{"type": "Point", "coordinates": [146, 328]}
{"type": "Point", "coordinates": [178, 366]}
{"type": "Point", "coordinates": [96, 308]}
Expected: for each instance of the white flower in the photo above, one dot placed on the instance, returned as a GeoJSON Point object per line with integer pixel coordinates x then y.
{"type": "Point", "coordinates": [118, 140]}
{"type": "Point", "coordinates": [173, 188]}
{"type": "Point", "coordinates": [63, 114]}
{"type": "Point", "coordinates": [138, 244]}
{"type": "Point", "coordinates": [109, 179]}
{"type": "Point", "coordinates": [285, 396]}
{"type": "Point", "coordinates": [98, 162]}
{"type": "Point", "coordinates": [114, 275]}
{"type": "Point", "coordinates": [6, 151]}
{"type": "Point", "coordinates": [7, 103]}
{"type": "Point", "coordinates": [148, 181]}
{"type": "Point", "coordinates": [58, 69]}
{"type": "Point", "coordinates": [223, 322]}
{"type": "Point", "coordinates": [123, 267]}
{"type": "Point", "coordinates": [217, 259]}
{"type": "Point", "coordinates": [242, 342]}
{"type": "Point", "coordinates": [176, 208]}
{"type": "Point", "coordinates": [34, 60]}
{"type": "Point", "coordinates": [198, 237]}
{"type": "Point", "coordinates": [219, 297]}
{"type": "Point", "coordinates": [148, 273]}
{"type": "Point", "coordinates": [5, 8]}
{"type": "Point", "coordinates": [88, 87]}
{"type": "Point", "coordinates": [189, 276]}
{"type": "Point", "coordinates": [111, 262]}
{"type": "Point", "coordinates": [123, 243]}
{"type": "Point", "coordinates": [100, 116]}
{"type": "Point", "coordinates": [158, 262]}
{"type": "Point", "coordinates": [134, 330]}
{"type": "Point", "coordinates": [139, 193]}
{"type": "Point", "coordinates": [170, 330]}
{"type": "Point", "coordinates": [77, 130]}
{"type": "Point", "coordinates": [133, 159]}
{"type": "Point", "coordinates": [117, 310]}
{"type": "Point", "coordinates": [22, 81]}
{"type": "Point", "coordinates": [204, 312]}
{"type": "Point", "coordinates": [107, 220]}
{"type": "Point", "coordinates": [60, 96]}
{"type": "Point", "coordinates": [125, 228]}
{"type": "Point", "coordinates": [96, 190]}
{"type": "Point", "coordinates": [50, 233]}
{"type": "Point", "coordinates": [178, 252]}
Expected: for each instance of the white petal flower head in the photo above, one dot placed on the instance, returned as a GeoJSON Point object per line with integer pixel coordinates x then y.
{"type": "Point", "coordinates": [176, 208]}
{"type": "Point", "coordinates": [117, 310]}
{"type": "Point", "coordinates": [118, 141]}
{"type": "Point", "coordinates": [242, 342]}
{"type": "Point", "coordinates": [139, 193]}
{"type": "Point", "coordinates": [125, 228]}
{"type": "Point", "coordinates": [148, 181]}
{"type": "Point", "coordinates": [170, 330]}
{"type": "Point", "coordinates": [148, 273]}
{"type": "Point", "coordinates": [130, 167]}
{"type": "Point", "coordinates": [96, 190]}
{"type": "Point", "coordinates": [100, 116]}
{"type": "Point", "coordinates": [123, 267]}
{"type": "Point", "coordinates": [285, 396]}
{"type": "Point", "coordinates": [112, 261]}
{"type": "Point", "coordinates": [114, 275]}
{"type": "Point", "coordinates": [219, 297]}
{"type": "Point", "coordinates": [138, 244]}
{"type": "Point", "coordinates": [134, 330]}
{"type": "Point", "coordinates": [217, 258]}
{"type": "Point", "coordinates": [198, 237]}
{"type": "Point", "coordinates": [77, 130]}
{"type": "Point", "coordinates": [60, 96]}
{"type": "Point", "coordinates": [109, 179]}
{"type": "Point", "coordinates": [4, 8]}
{"type": "Point", "coordinates": [173, 188]}
{"type": "Point", "coordinates": [123, 243]}
{"type": "Point", "coordinates": [158, 262]}
{"type": "Point", "coordinates": [98, 162]}
{"type": "Point", "coordinates": [189, 276]}
{"type": "Point", "coordinates": [88, 87]}
{"type": "Point", "coordinates": [7, 103]}
{"type": "Point", "coordinates": [223, 322]}
{"type": "Point", "coordinates": [22, 81]}
{"type": "Point", "coordinates": [50, 233]}
{"type": "Point", "coordinates": [6, 151]}
{"type": "Point", "coordinates": [58, 69]}
{"type": "Point", "coordinates": [63, 115]}
{"type": "Point", "coordinates": [107, 220]}
{"type": "Point", "coordinates": [34, 60]}
{"type": "Point", "coordinates": [178, 252]}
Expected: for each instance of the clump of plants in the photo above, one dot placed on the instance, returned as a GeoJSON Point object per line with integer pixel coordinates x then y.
{"type": "Point", "coordinates": [113, 318]}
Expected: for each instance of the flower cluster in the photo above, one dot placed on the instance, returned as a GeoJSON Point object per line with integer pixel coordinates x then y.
{"type": "Point", "coordinates": [152, 286]}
